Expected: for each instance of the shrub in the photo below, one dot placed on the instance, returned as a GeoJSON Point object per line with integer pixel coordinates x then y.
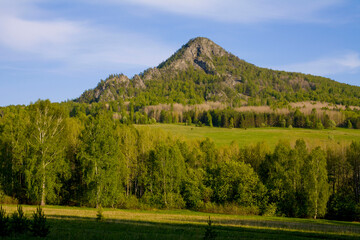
{"type": "Point", "coordinates": [100, 214]}
{"type": "Point", "coordinates": [19, 222]}
{"type": "Point", "coordinates": [270, 210]}
{"type": "Point", "coordinates": [332, 124]}
{"type": "Point", "coordinates": [210, 233]}
{"type": "Point", "coordinates": [38, 225]}
{"type": "Point", "coordinates": [4, 199]}
{"type": "Point", "coordinates": [4, 223]}
{"type": "Point", "coordinates": [152, 121]}
{"type": "Point", "coordinates": [128, 202]}
{"type": "Point", "coordinates": [319, 125]}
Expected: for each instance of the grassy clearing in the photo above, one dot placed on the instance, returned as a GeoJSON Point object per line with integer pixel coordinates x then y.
{"type": "Point", "coordinates": [80, 223]}
{"type": "Point", "coordinates": [224, 136]}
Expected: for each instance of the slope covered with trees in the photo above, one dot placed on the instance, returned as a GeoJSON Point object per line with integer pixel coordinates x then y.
{"type": "Point", "coordinates": [49, 155]}
{"type": "Point", "coordinates": [203, 71]}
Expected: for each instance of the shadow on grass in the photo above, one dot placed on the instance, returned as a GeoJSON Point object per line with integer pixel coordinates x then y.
{"type": "Point", "coordinates": [323, 226]}
{"type": "Point", "coordinates": [87, 228]}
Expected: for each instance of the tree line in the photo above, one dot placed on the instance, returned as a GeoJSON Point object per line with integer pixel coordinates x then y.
{"type": "Point", "coordinates": [229, 118]}
{"type": "Point", "coordinates": [48, 156]}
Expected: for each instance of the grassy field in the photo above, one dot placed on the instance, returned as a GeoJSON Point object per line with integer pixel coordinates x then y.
{"type": "Point", "coordinates": [224, 136]}
{"type": "Point", "coordinates": [80, 223]}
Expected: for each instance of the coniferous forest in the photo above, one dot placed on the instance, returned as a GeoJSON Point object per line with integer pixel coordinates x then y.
{"type": "Point", "coordinates": [68, 154]}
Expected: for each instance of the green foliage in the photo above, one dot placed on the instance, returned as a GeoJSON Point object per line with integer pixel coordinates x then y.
{"type": "Point", "coordinates": [236, 182]}
{"type": "Point", "coordinates": [353, 157]}
{"type": "Point", "coordinates": [4, 223]}
{"type": "Point", "coordinates": [92, 159]}
{"type": "Point", "coordinates": [316, 187]}
{"type": "Point", "coordinates": [232, 118]}
{"type": "Point", "coordinates": [275, 171]}
{"type": "Point", "coordinates": [101, 159]}
{"type": "Point", "coordinates": [166, 170]}
{"type": "Point", "coordinates": [209, 119]}
{"type": "Point", "coordinates": [332, 124]}
{"type": "Point", "coordinates": [14, 151]}
{"type": "Point", "coordinates": [297, 182]}
{"type": "Point", "coordinates": [270, 210]}
{"type": "Point", "coordinates": [342, 206]}
{"type": "Point", "coordinates": [188, 120]}
{"type": "Point", "coordinates": [46, 160]}
{"type": "Point", "coordinates": [19, 222]}
{"type": "Point", "coordinates": [38, 225]}
{"type": "Point", "coordinates": [319, 125]}
{"type": "Point", "coordinates": [100, 214]}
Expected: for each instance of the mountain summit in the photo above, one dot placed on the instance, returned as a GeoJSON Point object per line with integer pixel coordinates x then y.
{"type": "Point", "coordinates": [199, 52]}
{"type": "Point", "coordinates": [202, 71]}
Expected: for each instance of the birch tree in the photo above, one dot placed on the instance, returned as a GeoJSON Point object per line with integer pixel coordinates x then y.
{"type": "Point", "coordinates": [46, 160]}
{"type": "Point", "coordinates": [316, 186]}
{"type": "Point", "coordinates": [101, 158]}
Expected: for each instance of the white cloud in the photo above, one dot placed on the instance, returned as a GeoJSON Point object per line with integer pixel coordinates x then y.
{"type": "Point", "coordinates": [76, 44]}
{"type": "Point", "coordinates": [240, 11]}
{"type": "Point", "coordinates": [30, 35]}
{"type": "Point", "coordinates": [346, 63]}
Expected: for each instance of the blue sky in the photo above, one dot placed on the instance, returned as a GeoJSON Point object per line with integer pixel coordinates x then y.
{"type": "Point", "coordinates": [58, 49]}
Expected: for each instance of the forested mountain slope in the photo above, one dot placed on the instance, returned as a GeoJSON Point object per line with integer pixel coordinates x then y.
{"type": "Point", "coordinates": [203, 71]}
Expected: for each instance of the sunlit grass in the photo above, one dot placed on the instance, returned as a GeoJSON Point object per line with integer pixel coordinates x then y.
{"type": "Point", "coordinates": [80, 223]}
{"type": "Point", "coordinates": [224, 136]}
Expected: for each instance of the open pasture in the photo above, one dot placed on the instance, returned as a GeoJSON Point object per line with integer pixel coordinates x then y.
{"type": "Point", "coordinates": [224, 136]}
{"type": "Point", "coordinates": [80, 223]}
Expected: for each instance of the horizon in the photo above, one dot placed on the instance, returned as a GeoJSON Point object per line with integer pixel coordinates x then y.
{"type": "Point", "coordinates": [57, 51]}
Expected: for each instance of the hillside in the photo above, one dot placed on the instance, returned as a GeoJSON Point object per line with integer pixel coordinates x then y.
{"type": "Point", "coordinates": [203, 71]}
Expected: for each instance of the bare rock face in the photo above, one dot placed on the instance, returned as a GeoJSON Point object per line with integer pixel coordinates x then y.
{"type": "Point", "coordinates": [121, 79]}
{"type": "Point", "coordinates": [198, 52]}
{"type": "Point", "coordinates": [117, 81]}
{"type": "Point", "coordinates": [138, 82]}
{"type": "Point", "coordinates": [151, 73]}
{"type": "Point", "coordinates": [201, 48]}
{"type": "Point", "coordinates": [231, 81]}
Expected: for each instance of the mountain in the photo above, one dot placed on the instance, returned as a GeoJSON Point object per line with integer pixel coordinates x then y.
{"type": "Point", "coordinates": [202, 71]}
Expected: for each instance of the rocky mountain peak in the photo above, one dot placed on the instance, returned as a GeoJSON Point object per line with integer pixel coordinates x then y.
{"type": "Point", "coordinates": [202, 48]}
{"type": "Point", "coordinates": [198, 52]}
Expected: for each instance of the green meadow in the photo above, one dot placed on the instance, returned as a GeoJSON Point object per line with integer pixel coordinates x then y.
{"type": "Point", "coordinates": [80, 223]}
{"type": "Point", "coordinates": [225, 136]}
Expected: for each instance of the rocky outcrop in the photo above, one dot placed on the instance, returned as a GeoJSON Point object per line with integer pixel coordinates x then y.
{"type": "Point", "coordinates": [138, 82]}
{"type": "Point", "coordinates": [198, 52]}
